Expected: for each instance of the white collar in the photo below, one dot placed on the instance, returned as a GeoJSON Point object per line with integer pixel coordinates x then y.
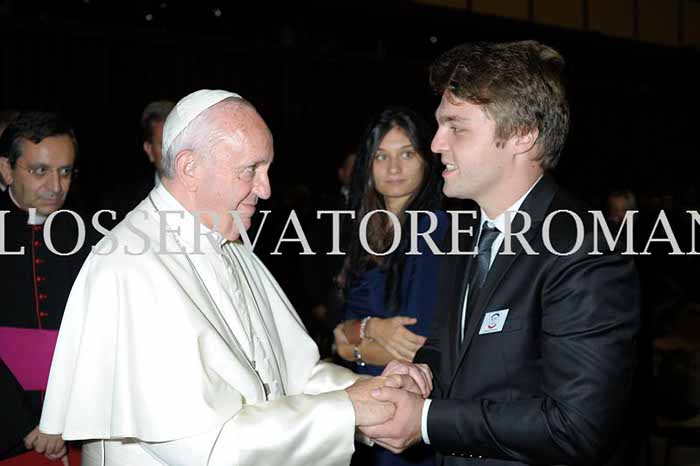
{"type": "Point", "coordinates": [190, 232]}
{"type": "Point", "coordinates": [34, 218]}
{"type": "Point", "coordinates": [500, 221]}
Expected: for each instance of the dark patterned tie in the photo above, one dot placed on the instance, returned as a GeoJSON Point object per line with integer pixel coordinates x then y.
{"type": "Point", "coordinates": [479, 269]}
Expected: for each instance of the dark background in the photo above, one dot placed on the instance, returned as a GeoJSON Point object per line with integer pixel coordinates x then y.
{"type": "Point", "coordinates": [317, 73]}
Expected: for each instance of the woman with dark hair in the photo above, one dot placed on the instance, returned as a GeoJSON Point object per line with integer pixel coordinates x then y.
{"type": "Point", "coordinates": [390, 298]}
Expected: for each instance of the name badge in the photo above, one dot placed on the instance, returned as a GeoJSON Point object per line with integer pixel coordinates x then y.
{"type": "Point", "coordinates": [493, 321]}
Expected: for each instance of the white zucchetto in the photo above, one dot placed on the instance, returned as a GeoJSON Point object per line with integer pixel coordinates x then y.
{"type": "Point", "coordinates": [189, 108]}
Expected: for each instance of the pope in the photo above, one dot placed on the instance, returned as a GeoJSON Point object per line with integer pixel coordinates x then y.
{"type": "Point", "coordinates": [180, 348]}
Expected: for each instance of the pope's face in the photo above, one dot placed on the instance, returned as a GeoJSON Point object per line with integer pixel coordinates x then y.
{"type": "Point", "coordinates": [235, 176]}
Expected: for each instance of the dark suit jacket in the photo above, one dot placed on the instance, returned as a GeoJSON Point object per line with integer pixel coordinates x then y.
{"type": "Point", "coordinates": [552, 386]}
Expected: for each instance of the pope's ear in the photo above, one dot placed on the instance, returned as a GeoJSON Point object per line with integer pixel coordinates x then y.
{"type": "Point", "coordinates": [186, 169]}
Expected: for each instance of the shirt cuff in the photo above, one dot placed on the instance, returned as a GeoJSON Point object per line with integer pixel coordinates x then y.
{"type": "Point", "coordinates": [424, 421]}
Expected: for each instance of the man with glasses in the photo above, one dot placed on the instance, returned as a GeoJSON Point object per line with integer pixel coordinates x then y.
{"type": "Point", "coordinates": [37, 160]}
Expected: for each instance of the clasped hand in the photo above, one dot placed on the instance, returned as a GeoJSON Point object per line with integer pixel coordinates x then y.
{"type": "Point", "coordinates": [401, 398]}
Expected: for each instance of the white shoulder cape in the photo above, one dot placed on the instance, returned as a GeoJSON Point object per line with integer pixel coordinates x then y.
{"type": "Point", "coordinates": [142, 354]}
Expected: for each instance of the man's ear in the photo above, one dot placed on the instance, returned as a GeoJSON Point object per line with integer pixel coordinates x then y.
{"type": "Point", "coordinates": [186, 166]}
{"type": "Point", "coordinates": [6, 171]}
{"type": "Point", "coordinates": [148, 149]}
{"type": "Point", "coordinates": [525, 141]}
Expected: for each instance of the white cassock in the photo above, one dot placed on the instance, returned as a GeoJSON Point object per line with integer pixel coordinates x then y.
{"type": "Point", "coordinates": [156, 353]}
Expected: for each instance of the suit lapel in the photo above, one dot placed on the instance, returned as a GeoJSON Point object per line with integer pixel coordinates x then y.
{"type": "Point", "coordinates": [498, 270]}
{"type": "Point", "coordinates": [535, 205]}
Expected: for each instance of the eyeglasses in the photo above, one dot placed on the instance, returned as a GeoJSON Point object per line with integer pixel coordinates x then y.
{"type": "Point", "coordinates": [41, 171]}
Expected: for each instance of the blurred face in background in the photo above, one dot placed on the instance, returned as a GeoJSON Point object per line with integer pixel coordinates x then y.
{"type": "Point", "coordinates": [345, 170]}
{"type": "Point", "coordinates": [154, 147]}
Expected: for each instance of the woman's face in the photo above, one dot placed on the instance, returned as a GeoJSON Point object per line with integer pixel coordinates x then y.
{"type": "Point", "coordinates": [397, 169]}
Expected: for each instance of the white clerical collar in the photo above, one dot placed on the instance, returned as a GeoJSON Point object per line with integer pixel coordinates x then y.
{"type": "Point", "coordinates": [500, 221]}
{"type": "Point", "coordinates": [34, 217]}
{"type": "Point", "coordinates": [156, 179]}
{"type": "Point", "coordinates": [181, 219]}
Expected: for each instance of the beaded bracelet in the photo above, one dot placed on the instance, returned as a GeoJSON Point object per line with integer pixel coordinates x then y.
{"type": "Point", "coordinates": [363, 327]}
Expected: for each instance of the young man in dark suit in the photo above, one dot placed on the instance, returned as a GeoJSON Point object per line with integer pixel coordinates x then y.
{"type": "Point", "coordinates": [533, 345]}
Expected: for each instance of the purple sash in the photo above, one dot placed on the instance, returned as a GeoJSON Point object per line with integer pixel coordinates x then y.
{"type": "Point", "coordinates": [27, 353]}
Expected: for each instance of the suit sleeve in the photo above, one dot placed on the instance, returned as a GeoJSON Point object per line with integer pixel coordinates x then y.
{"type": "Point", "coordinates": [590, 316]}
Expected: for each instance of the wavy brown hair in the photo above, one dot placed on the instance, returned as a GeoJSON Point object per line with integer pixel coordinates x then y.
{"type": "Point", "coordinates": [518, 84]}
{"type": "Point", "coordinates": [364, 198]}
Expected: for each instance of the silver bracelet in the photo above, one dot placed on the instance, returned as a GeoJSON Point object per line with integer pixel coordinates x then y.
{"type": "Point", "coordinates": [358, 356]}
{"type": "Point", "coordinates": [363, 326]}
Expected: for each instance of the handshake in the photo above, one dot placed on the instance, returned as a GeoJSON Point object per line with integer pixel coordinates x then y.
{"type": "Point", "coordinates": [388, 408]}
